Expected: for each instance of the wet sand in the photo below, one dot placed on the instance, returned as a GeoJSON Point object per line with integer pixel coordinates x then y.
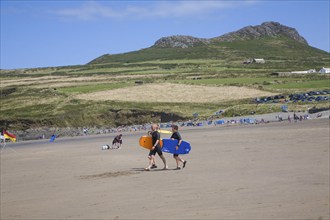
{"type": "Point", "coordinates": [265, 171]}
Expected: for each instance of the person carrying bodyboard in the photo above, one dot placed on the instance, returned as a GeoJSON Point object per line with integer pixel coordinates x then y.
{"type": "Point", "coordinates": [176, 136]}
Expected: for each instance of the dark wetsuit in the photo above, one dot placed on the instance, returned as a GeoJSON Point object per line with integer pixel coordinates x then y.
{"type": "Point", "coordinates": [156, 136]}
{"type": "Point", "coordinates": [117, 139]}
{"type": "Point", "coordinates": [176, 135]}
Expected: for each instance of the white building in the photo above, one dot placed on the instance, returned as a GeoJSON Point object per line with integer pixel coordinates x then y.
{"type": "Point", "coordinates": [324, 70]}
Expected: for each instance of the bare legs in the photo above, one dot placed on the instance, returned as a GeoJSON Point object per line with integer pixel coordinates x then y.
{"type": "Point", "coordinates": [152, 162]}
{"type": "Point", "coordinates": [179, 159]}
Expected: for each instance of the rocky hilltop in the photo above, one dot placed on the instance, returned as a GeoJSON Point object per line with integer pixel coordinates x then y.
{"type": "Point", "coordinates": [266, 29]}
{"type": "Point", "coordinates": [180, 41]}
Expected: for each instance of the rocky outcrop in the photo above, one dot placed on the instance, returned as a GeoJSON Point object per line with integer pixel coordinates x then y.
{"type": "Point", "coordinates": [266, 29]}
{"type": "Point", "coordinates": [180, 41]}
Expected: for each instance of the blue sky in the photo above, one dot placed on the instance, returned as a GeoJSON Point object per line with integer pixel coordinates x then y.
{"type": "Point", "coordinates": [58, 33]}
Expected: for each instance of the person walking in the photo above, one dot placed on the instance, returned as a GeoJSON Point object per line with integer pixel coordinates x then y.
{"type": "Point", "coordinates": [155, 149]}
{"type": "Point", "coordinates": [176, 136]}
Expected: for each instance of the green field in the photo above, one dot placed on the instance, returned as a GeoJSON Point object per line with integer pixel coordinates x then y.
{"type": "Point", "coordinates": [48, 96]}
{"type": "Point", "coordinates": [269, 83]}
{"type": "Point", "coordinates": [302, 85]}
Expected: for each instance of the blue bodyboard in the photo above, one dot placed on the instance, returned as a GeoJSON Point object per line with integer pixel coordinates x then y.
{"type": "Point", "coordinates": [169, 147]}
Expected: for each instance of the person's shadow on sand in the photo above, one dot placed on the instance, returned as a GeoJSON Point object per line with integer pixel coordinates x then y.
{"type": "Point", "coordinates": [142, 169]}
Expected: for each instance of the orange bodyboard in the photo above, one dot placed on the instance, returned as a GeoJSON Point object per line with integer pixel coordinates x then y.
{"type": "Point", "coordinates": [146, 142]}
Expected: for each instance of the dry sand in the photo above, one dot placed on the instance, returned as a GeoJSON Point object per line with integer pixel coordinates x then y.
{"type": "Point", "coordinates": [178, 93]}
{"type": "Point", "coordinates": [265, 171]}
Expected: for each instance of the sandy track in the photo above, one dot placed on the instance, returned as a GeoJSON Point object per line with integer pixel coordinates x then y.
{"type": "Point", "coordinates": [269, 171]}
{"type": "Point", "coordinates": [169, 92]}
{"type": "Point", "coordinates": [65, 81]}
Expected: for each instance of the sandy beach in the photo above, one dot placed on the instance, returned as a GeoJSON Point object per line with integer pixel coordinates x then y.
{"type": "Point", "coordinates": [278, 170]}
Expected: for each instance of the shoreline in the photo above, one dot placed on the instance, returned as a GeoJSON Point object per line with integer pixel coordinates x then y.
{"type": "Point", "coordinates": [67, 133]}
{"type": "Point", "coordinates": [44, 133]}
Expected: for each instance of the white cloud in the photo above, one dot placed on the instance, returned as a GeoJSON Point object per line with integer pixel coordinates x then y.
{"type": "Point", "coordinates": [163, 9]}
{"type": "Point", "coordinates": [188, 8]}
{"type": "Point", "coordinates": [88, 11]}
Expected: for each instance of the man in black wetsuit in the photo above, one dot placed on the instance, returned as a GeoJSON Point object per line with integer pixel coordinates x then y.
{"type": "Point", "coordinates": [156, 148]}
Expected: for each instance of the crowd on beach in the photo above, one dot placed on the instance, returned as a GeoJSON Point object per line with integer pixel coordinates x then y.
{"type": "Point", "coordinates": [46, 133]}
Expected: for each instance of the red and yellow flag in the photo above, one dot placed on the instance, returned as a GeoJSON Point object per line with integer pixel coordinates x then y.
{"type": "Point", "coordinates": [10, 136]}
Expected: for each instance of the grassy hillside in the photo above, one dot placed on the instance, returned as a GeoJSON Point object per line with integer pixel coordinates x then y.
{"type": "Point", "coordinates": [282, 54]}
{"type": "Point", "coordinates": [51, 96]}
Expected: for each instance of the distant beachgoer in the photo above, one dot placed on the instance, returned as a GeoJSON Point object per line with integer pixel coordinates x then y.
{"type": "Point", "coordinates": [117, 141]}
{"type": "Point", "coordinates": [2, 138]}
{"type": "Point", "coordinates": [155, 149]}
{"type": "Point", "coordinates": [176, 136]}
{"type": "Point", "coordinates": [280, 118]}
{"type": "Point", "coordinates": [295, 117]}
{"type": "Point", "coordinates": [289, 118]}
{"type": "Point", "coordinates": [85, 130]}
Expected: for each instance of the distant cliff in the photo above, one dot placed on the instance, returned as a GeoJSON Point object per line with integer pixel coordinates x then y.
{"type": "Point", "coordinates": [266, 29]}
